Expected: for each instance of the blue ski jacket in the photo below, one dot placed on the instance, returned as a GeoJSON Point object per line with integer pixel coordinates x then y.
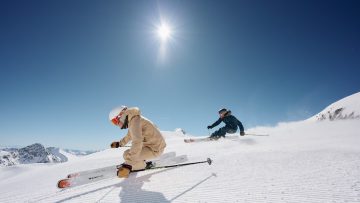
{"type": "Point", "coordinates": [230, 121]}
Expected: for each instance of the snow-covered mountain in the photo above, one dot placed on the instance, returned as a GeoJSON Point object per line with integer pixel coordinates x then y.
{"type": "Point", "coordinates": [8, 158]}
{"type": "Point", "coordinates": [37, 153]}
{"type": "Point", "coordinates": [346, 108]}
{"type": "Point", "coordinates": [56, 155]}
{"type": "Point", "coordinates": [298, 162]}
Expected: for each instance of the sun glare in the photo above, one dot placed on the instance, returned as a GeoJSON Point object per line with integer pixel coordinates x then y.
{"type": "Point", "coordinates": [164, 32]}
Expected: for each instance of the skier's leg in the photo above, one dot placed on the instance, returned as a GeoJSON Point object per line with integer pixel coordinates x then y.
{"type": "Point", "coordinates": [145, 154]}
{"type": "Point", "coordinates": [214, 135]}
{"type": "Point", "coordinates": [219, 133]}
{"type": "Point", "coordinates": [231, 131]}
{"type": "Point", "coordinates": [223, 131]}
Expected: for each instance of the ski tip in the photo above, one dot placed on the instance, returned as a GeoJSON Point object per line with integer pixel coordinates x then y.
{"type": "Point", "coordinates": [209, 161]}
{"type": "Point", "coordinates": [63, 183]}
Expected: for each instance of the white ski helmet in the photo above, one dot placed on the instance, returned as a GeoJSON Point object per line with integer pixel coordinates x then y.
{"type": "Point", "coordinates": [116, 115]}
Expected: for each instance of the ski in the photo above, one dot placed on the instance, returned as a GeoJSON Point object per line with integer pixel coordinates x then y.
{"type": "Point", "coordinates": [85, 177]}
{"type": "Point", "coordinates": [252, 134]}
{"type": "Point", "coordinates": [205, 139]}
{"type": "Point", "coordinates": [196, 140]}
{"type": "Point", "coordinates": [168, 161]}
{"type": "Point", "coordinates": [231, 137]}
{"type": "Point", "coordinates": [165, 156]}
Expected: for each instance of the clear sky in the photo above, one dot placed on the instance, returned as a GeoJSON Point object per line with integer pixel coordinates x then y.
{"type": "Point", "coordinates": [65, 64]}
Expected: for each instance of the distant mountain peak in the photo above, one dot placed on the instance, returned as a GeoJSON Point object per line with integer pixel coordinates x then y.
{"type": "Point", "coordinates": [35, 153]}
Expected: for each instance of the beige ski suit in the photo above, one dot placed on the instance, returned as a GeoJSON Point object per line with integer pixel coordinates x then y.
{"type": "Point", "coordinates": [147, 141]}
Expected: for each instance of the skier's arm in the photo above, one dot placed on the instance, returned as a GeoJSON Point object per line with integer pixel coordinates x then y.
{"type": "Point", "coordinates": [137, 144]}
{"type": "Point", "coordinates": [131, 113]}
{"type": "Point", "coordinates": [122, 142]}
{"type": "Point", "coordinates": [240, 125]}
{"type": "Point", "coordinates": [125, 140]}
{"type": "Point", "coordinates": [216, 123]}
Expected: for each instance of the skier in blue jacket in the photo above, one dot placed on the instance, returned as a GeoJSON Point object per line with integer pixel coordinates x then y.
{"type": "Point", "coordinates": [231, 124]}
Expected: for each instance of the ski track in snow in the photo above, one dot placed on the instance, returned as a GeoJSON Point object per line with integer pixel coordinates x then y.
{"type": "Point", "coordinates": [300, 162]}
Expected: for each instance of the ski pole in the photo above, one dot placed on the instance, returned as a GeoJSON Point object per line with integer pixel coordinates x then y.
{"type": "Point", "coordinates": [208, 160]}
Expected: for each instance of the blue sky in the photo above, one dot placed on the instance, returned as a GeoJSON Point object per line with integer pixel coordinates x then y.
{"type": "Point", "coordinates": [66, 64]}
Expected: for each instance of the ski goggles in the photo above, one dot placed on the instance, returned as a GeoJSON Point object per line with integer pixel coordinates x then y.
{"type": "Point", "coordinates": [119, 119]}
{"type": "Point", "coordinates": [116, 120]}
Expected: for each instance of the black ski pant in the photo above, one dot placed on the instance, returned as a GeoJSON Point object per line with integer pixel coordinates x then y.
{"type": "Point", "coordinates": [222, 131]}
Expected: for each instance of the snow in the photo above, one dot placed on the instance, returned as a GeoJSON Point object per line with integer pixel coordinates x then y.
{"type": "Point", "coordinates": [303, 161]}
{"type": "Point", "coordinates": [69, 156]}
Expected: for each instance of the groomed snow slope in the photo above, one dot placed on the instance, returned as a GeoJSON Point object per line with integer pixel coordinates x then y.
{"type": "Point", "coordinates": [299, 162]}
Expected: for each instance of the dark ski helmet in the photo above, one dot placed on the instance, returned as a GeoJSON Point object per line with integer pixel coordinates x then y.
{"type": "Point", "coordinates": [222, 110]}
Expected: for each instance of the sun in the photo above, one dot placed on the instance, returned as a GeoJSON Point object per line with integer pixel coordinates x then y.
{"type": "Point", "coordinates": [164, 32]}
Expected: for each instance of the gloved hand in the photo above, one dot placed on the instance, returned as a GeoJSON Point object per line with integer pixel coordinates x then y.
{"type": "Point", "coordinates": [124, 171]}
{"type": "Point", "coordinates": [115, 144]}
{"type": "Point", "coordinates": [242, 133]}
{"type": "Point", "coordinates": [209, 127]}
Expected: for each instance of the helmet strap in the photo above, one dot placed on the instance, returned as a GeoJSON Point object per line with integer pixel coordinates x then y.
{"type": "Point", "coordinates": [126, 122]}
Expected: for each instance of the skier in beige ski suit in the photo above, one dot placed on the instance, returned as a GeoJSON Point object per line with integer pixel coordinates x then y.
{"type": "Point", "coordinates": [147, 141]}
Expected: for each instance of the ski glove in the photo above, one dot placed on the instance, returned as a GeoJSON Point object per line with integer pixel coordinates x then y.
{"type": "Point", "coordinates": [115, 144]}
{"type": "Point", "coordinates": [242, 133]}
{"type": "Point", "coordinates": [209, 127]}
